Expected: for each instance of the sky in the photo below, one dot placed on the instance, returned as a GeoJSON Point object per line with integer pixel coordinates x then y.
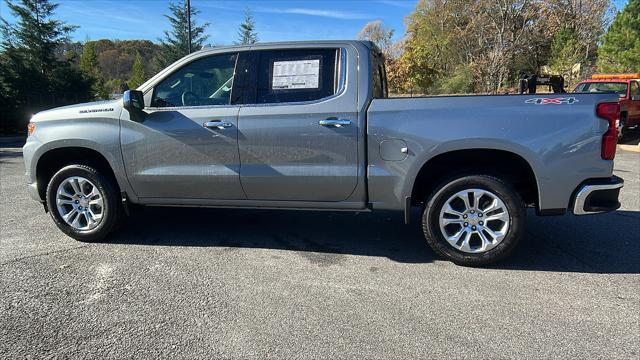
{"type": "Point", "coordinates": [275, 20]}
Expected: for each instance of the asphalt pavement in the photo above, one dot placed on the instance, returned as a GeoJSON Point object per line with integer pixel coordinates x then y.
{"type": "Point", "coordinates": [220, 283]}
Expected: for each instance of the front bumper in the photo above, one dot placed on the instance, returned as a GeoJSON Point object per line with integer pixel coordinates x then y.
{"type": "Point", "coordinates": [597, 196]}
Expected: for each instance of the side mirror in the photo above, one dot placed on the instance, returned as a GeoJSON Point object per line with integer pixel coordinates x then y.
{"type": "Point", "coordinates": [134, 103]}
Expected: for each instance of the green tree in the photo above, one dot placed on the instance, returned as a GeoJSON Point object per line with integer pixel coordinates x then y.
{"type": "Point", "coordinates": [37, 33]}
{"type": "Point", "coordinates": [32, 77]}
{"type": "Point", "coordinates": [247, 32]}
{"type": "Point", "coordinates": [432, 46]}
{"type": "Point", "coordinates": [566, 54]}
{"type": "Point", "coordinates": [620, 50]}
{"type": "Point", "coordinates": [90, 67]}
{"type": "Point", "coordinates": [137, 74]}
{"type": "Point", "coordinates": [175, 43]}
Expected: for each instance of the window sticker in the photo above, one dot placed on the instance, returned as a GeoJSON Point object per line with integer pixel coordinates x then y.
{"type": "Point", "coordinates": [299, 74]}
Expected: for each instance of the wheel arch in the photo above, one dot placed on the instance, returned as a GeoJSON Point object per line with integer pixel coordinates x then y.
{"type": "Point", "coordinates": [52, 160]}
{"type": "Point", "coordinates": [506, 164]}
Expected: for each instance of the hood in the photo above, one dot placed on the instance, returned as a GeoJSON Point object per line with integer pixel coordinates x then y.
{"type": "Point", "coordinates": [106, 108]}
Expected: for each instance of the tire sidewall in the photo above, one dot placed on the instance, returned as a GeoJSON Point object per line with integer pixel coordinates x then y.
{"type": "Point", "coordinates": [110, 215]}
{"type": "Point", "coordinates": [504, 191]}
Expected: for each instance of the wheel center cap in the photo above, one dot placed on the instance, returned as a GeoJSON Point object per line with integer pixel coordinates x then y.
{"type": "Point", "coordinates": [472, 219]}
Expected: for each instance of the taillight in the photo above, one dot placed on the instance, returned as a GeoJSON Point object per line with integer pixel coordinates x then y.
{"type": "Point", "coordinates": [609, 111]}
{"type": "Point", "coordinates": [31, 128]}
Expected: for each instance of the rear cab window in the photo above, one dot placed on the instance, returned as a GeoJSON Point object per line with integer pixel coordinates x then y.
{"type": "Point", "coordinates": [295, 75]}
{"type": "Point", "coordinates": [619, 88]}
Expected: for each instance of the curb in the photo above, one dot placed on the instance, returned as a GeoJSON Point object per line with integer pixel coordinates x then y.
{"type": "Point", "coordinates": [632, 148]}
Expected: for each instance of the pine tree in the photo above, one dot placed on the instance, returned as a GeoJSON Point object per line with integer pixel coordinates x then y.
{"type": "Point", "coordinates": [31, 76]}
{"type": "Point", "coordinates": [175, 43]}
{"type": "Point", "coordinates": [90, 67]}
{"type": "Point", "coordinates": [620, 50]}
{"type": "Point", "coordinates": [247, 32]}
{"type": "Point", "coordinates": [37, 33]}
{"type": "Point", "coordinates": [137, 74]}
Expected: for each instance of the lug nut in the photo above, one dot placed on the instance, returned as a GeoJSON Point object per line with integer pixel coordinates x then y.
{"type": "Point", "coordinates": [79, 207]}
{"type": "Point", "coordinates": [473, 227]}
{"type": "Point", "coordinates": [466, 224]}
{"type": "Point", "coordinates": [473, 211]}
{"type": "Point", "coordinates": [481, 222]}
{"type": "Point", "coordinates": [464, 216]}
{"type": "Point", "coordinates": [77, 202]}
{"type": "Point", "coordinates": [479, 214]}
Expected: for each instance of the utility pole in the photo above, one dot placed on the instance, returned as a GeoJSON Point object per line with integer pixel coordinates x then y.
{"type": "Point", "coordinates": [189, 23]}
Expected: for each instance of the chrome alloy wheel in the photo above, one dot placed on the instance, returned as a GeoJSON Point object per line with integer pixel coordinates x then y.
{"type": "Point", "coordinates": [474, 220]}
{"type": "Point", "coordinates": [80, 203]}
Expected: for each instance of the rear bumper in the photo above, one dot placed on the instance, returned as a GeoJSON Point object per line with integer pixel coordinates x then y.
{"type": "Point", "coordinates": [597, 196]}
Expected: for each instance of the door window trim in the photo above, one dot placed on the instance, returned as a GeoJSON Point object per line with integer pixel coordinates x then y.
{"type": "Point", "coordinates": [341, 71]}
{"type": "Point", "coordinates": [152, 89]}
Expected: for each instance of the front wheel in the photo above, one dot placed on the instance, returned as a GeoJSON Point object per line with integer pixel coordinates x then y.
{"type": "Point", "coordinates": [474, 220]}
{"type": "Point", "coordinates": [84, 203]}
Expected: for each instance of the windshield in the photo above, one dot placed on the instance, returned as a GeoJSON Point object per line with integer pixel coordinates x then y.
{"type": "Point", "coordinates": [603, 87]}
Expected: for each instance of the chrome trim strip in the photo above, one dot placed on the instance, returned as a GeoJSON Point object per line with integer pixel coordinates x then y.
{"type": "Point", "coordinates": [585, 191]}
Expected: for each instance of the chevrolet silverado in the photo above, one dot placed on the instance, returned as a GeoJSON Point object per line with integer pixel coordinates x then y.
{"type": "Point", "coordinates": [309, 125]}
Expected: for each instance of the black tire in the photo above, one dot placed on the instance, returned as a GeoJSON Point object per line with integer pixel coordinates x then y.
{"type": "Point", "coordinates": [112, 211]}
{"type": "Point", "coordinates": [504, 191]}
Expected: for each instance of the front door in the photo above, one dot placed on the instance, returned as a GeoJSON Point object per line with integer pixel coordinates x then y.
{"type": "Point", "coordinates": [298, 133]}
{"type": "Point", "coordinates": [186, 145]}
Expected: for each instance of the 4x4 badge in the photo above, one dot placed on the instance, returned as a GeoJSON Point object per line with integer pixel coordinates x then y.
{"type": "Point", "coordinates": [554, 101]}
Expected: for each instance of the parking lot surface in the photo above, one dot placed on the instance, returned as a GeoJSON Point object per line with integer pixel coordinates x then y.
{"type": "Point", "coordinates": [220, 283]}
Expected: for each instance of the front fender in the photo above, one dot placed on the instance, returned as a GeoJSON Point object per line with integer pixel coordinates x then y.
{"type": "Point", "coordinates": [101, 135]}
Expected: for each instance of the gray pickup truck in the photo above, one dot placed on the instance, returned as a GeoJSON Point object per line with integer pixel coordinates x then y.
{"type": "Point", "coordinates": [308, 125]}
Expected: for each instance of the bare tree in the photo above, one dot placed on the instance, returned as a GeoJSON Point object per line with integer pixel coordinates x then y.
{"type": "Point", "coordinates": [381, 36]}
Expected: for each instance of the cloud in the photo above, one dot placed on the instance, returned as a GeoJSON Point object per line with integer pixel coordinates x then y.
{"type": "Point", "coordinates": [334, 14]}
{"type": "Point", "coordinates": [406, 4]}
{"type": "Point", "coordinates": [325, 13]}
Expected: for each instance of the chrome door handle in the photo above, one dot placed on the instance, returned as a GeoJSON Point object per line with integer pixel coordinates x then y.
{"type": "Point", "coordinates": [335, 122]}
{"type": "Point", "coordinates": [218, 124]}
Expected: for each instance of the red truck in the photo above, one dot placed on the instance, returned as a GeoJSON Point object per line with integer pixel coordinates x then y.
{"type": "Point", "coordinates": [627, 86]}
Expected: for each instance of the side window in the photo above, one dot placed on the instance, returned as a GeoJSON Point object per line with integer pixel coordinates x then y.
{"type": "Point", "coordinates": [581, 88]}
{"type": "Point", "coordinates": [296, 75]}
{"type": "Point", "coordinates": [379, 77]}
{"type": "Point", "coordinates": [635, 88]}
{"type": "Point", "coordinates": [206, 81]}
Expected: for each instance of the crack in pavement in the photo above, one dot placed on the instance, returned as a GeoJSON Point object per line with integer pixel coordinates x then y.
{"type": "Point", "coordinates": [43, 254]}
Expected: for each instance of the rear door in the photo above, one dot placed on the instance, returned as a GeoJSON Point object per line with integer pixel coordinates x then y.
{"type": "Point", "coordinates": [186, 146]}
{"type": "Point", "coordinates": [298, 128]}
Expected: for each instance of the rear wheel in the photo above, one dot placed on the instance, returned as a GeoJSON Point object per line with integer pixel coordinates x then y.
{"type": "Point", "coordinates": [84, 203]}
{"type": "Point", "coordinates": [474, 220]}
